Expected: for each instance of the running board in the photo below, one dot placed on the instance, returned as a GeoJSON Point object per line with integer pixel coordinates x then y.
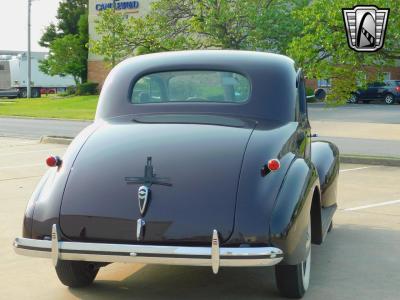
{"type": "Point", "coordinates": [326, 218]}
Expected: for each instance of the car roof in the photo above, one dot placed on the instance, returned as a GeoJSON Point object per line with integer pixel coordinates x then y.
{"type": "Point", "coordinates": [272, 76]}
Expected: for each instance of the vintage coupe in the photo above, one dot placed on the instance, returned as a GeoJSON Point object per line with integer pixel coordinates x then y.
{"type": "Point", "coordinates": [200, 158]}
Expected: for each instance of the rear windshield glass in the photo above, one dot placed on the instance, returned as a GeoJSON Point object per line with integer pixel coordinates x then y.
{"type": "Point", "coordinates": [191, 86]}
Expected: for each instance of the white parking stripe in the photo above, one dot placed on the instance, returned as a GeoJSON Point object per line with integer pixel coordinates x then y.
{"type": "Point", "coordinates": [33, 151]}
{"type": "Point", "coordinates": [23, 166]}
{"type": "Point", "coordinates": [373, 205]}
{"type": "Point", "coordinates": [356, 169]}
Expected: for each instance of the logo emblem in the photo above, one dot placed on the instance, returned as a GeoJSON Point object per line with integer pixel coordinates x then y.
{"type": "Point", "coordinates": [143, 196]}
{"type": "Point", "coordinates": [144, 192]}
{"type": "Point", "coordinates": [365, 27]}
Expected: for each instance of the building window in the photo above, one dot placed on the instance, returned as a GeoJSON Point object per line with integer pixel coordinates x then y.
{"type": "Point", "coordinates": [386, 76]}
{"type": "Point", "coordinates": [324, 83]}
{"type": "Point", "coordinates": [2, 68]}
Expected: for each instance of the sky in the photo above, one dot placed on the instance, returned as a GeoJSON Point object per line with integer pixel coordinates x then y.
{"type": "Point", "coordinates": [14, 22]}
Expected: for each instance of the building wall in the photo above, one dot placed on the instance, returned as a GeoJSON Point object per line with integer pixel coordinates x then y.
{"type": "Point", "coordinates": [97, 69]}
{"type": "Point", "coordinates": [371, 73]}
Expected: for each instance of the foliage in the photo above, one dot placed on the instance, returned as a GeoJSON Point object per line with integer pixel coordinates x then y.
{"type": "Point", "coordinates": [82, 107]}
{"type": "Point", "coordinates": [66, 57]}
{"type": "Point", "coordinates": [87, 88]}
{"type": "Point", "coordinates": [72, 26]}
{"type": "Point", "coordinates": [190, 24]}
{"type": "Point", "coordinates": [322, 50]}
{"type": "Point", "coordinates": [69, 13]}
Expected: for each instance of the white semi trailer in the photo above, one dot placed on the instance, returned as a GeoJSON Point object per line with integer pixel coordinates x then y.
{"type": "Point", "coordinates": [14, 75]}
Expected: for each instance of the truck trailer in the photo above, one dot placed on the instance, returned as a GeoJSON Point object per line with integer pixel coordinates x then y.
{"type": "Point", "coordinates": [14, 75]}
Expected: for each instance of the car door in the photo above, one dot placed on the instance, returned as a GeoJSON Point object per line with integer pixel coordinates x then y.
{"type": "Point", "coordinates": [363, 93]}
{"type": "Point", "coordinates": [381, 89]}
{"type": "Point", "coordinates": [374, 90]}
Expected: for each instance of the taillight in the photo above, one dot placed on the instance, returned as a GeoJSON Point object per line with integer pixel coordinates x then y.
{"type": "Point", "coordinates": [53, 161]}
{"type": "Point", "coordinates": [272, 166]}
{"type": "Point", "coordinates": [398, 89]}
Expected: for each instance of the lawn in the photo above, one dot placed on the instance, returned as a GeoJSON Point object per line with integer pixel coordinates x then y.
{"type": "Point", "coordinates": [77, 107]}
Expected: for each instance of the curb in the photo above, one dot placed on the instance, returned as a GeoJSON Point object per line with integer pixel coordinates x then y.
{"type": "Point", "coordinates": [344, 158]}
{"type": "Point", "coordinates": [62, 140]}
{"type": "Point", "coordinates": [370, 160]}
{"type": "Point", "coordinates": [46, 119]}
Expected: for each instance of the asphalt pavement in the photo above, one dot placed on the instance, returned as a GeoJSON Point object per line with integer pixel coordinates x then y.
{"type": "Point", "coordinates": [359, 259]}
{"type": "Point", "coordinates": [362, 113]}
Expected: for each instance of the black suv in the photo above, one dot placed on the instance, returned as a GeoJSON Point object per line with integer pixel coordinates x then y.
{"type": "Point", "coordinates": [388, 91]}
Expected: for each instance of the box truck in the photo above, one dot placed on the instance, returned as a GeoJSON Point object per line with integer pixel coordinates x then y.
{"type": "Point", "coordinates": [14, 75]}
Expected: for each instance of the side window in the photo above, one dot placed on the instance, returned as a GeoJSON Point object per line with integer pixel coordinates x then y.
{"type": "Point", "coordinates": [302, 99]}
{"type": "Point", "coordinates": [147, 89]}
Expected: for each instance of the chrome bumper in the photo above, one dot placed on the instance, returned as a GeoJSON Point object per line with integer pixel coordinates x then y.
{"type": "Point", "coordinates": [213, 256]}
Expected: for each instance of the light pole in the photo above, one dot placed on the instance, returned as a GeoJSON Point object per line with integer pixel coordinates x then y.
{"type": "Point", "coordinates": [28, 85]}
{"type": "Point", "coordinates": [113, 55]}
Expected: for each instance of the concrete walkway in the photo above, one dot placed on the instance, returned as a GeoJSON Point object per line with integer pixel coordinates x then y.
{"type": "Point", "coordinates": [371, 139]}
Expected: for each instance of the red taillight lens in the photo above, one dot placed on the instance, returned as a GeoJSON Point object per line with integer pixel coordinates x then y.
{"type": "Point", "coordinates": [274, 165]}
{"type": "Point", "coordinates": [53, 161]}
{"type": "Point", "coordinates": [397, 88]}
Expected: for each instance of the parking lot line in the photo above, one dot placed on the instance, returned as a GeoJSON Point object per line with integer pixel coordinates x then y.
{"type": "Point", "coordinates": [32, 151]}
{"type": "Point", "coordinates": [372, 205]}
{"type": "Point", "coordinates": [19, 178]}
{"type": "Point", "coordinates": [23, 166]}
{"type": "Point", "coordinates": [356, 169]}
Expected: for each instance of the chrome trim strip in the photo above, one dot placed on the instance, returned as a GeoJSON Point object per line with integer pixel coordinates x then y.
{"type": "Point", "coordinates": [139, 228]}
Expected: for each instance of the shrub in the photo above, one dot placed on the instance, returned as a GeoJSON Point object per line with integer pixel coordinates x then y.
{"type": "Point", "coordinates": [309, 91]}
{"type": "Point", "coordinates": [87, 88]}
{"type": "Point", "coordinates": [70, 90]}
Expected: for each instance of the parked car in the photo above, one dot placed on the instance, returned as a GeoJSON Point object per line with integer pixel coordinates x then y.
{"type": "Point", "coordinates": [198, 158]}
{"type": "Point", "coordinates": [388, 91]}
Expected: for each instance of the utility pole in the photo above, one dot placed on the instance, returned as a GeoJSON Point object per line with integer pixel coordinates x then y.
{"type": "Point", "coordinates": [28, 85]}
{"type": "Point", "coordinates": [113, 56]}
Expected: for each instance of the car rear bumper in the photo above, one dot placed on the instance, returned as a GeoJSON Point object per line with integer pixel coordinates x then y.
{"type": "Point", "coordinates": [213, 256]}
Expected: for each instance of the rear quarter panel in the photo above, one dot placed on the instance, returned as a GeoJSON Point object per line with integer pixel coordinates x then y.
{"type": "Point", "coordinates": [325, 157]}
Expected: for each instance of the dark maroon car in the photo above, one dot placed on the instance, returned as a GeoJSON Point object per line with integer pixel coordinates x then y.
{"type": "Point", "coordinates": [198, 158]}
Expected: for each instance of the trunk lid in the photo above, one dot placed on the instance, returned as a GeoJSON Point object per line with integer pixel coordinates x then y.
{"type": "Point", "coordinates": [202, 162]}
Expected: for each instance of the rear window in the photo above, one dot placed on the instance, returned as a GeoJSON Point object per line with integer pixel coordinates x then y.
{"type": "Point", "coordinates": [191, 86]}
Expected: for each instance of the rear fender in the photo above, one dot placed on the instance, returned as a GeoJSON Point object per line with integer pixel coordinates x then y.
{"type": "Point", "coordinates": [291, 213]}
{"type": "Point", "coordinates": [325, 158]}
{"type": "Point", "coordinates": [44, 206]}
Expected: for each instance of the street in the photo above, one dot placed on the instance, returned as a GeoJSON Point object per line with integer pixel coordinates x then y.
{"type": "Point", "coordinates": [359, 259]}
{"type": "Point", "coordinates": [363, 113]}
{"type": "Point", "coordinates": [324, 121]}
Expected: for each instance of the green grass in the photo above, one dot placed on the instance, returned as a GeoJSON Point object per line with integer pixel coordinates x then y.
{"type": "Point", "coordinates": [77, 107]}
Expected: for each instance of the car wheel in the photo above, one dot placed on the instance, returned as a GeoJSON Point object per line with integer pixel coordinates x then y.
{"type": "Point", "coordinates": [389, 99]}
{"type": "Point", "coordinates": [353, 99]}
{"type": "Point", "coordinates": [76, 273]}
{"type": "Point", "coordinates": [23, 94]}
{"type": "Point", "coordinates": [293, 280]}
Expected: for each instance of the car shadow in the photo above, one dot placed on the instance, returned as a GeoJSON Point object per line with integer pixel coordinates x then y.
{"type": "Point", "coordinates": [342, 268]}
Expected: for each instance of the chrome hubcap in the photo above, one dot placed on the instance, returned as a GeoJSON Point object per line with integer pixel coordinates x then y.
{"type": "Point", "coordinates": [389, 99]}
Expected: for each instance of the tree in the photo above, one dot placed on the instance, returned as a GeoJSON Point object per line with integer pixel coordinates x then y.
{"type": "Point", "coordinates": [71, 27]}
{"type": "Point", "coordinates": [322, 51]}
{"type": "Point", "coordinates": [191, 24]}
{"type": "Point", "coordinates": [69, 13]}
{"type": "Point", "coordinates": [66, 57]}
